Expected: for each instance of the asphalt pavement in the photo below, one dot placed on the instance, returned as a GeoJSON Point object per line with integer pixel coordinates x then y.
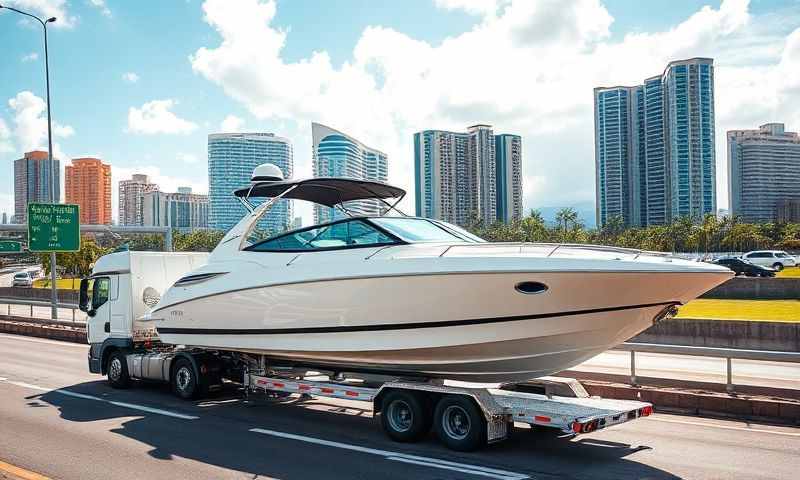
{"type": "Point", "coordinates": [64, 423]}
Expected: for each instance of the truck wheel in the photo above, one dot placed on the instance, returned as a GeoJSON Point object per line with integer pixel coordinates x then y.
{"type": "Point", "coordinates": [184, 380]}
{"type": "Point", "coordinates": [405, 416]}
{"type": "Point", "coordinates": [777, 266]}
{"type": "Point", "coordinates": [459, 423]}
{"type": "Point", "coordinates": [118, 370]}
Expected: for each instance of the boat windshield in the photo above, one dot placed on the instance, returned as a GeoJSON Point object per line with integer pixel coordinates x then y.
{"type": "Point", "coordinates": [350, 233]}
{"type": "Point", "coordinates": [422, 230]}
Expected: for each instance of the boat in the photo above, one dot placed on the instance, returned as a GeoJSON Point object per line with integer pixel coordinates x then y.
{"type": "Point", "coordinates": [410, 296]}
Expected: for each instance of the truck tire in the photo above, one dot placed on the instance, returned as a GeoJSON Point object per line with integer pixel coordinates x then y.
{"type": "Point", "coordinates": [459, 423]}
{"type": "Point", "coordinates": [184, 381]}
{"type": "Point", "coordinates": [778, 266]}
{"type": "Point", "coordinates": [405, 416]}
{"type": "Point", "coordinates": [118, 370]}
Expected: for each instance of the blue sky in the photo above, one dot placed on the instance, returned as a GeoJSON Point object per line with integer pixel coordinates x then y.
{"type": "Point", "coordinates": [159, 41]}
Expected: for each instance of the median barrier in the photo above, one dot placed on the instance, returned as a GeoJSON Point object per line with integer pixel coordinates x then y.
{"type": "Point", "coordinates": [64, 296]}
{"type": "Point", "coordinates": [744, 334]}
{"type": "Point", "coordinates": [749, 288]}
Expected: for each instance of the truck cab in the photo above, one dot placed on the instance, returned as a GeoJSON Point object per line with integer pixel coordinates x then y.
{"type": "Point", "coordinates": [123, 287]}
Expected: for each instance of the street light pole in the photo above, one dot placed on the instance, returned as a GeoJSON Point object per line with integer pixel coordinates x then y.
{"type": "Point", "coordinates": [53, 169]}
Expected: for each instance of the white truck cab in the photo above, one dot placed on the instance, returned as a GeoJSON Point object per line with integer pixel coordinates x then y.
{"type": "Point", "coordinates": [123, 287]}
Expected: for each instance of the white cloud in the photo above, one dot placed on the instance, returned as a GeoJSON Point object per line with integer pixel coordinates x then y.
{"type": "Point", "coordinates": [45, 9]}
{"type": "Point", "coordinates": [166, 183]}
{"type": "Point", "coordinates": [232, 123]}
{"type": "Point", "coordinates": [526, 67]}
{"type": "Point", "coordinates": [130, 77]}
{"type": "Point", "coordinates": [30, 124]}
{"type": "Point", "coordinates": [5, 138]}
{"type": "Point", "coordinates": [473, 7]}
{"type": "Point", "coordinates": [155, 117]}
{"type": "Point", "coordinates": [31, 57]}
{"type": "Point", "coordinates": [188, 158]}
{"type": "Point", "coordinates": [101, 5]}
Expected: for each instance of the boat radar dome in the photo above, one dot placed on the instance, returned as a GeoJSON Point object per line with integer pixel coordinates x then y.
{"type": "Point", "coordinates": [267, 172]}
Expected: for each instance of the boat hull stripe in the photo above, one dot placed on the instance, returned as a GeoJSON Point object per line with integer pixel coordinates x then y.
{"type": "Point", "coordinates": [398, 326]}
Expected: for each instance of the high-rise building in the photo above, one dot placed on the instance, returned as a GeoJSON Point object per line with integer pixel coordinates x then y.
{"type": "Point", "coordinates": [88, 184]}
{"type": "Point", "coordinates": [231, 160]}
{"type": "Point", "coordinates": [763, 173]}
{"type": "Point", "coordinates": [508, 158]}
{"type": "Point", "coordinates": [33, 182]}
{"type": "Point", "coordinates": [461, 176]}
{"type": "Point", "coordinates": [654, 146]}
{"type": "Point", "coordinates": [131, 197]}
{"type": "Point", "coordinates": [183, 210]}
{"type": "Point", "coordinates": [614, 153]}
{"type": "Point", "coordinates": [336, 154]}
{"type": "Point", "coordinates": [5, 218]}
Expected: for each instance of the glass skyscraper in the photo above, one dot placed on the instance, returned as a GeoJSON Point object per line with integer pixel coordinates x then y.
{"type": "Point", "coordinates": [654, 146]}
{"type": "Point", "coordinates": [231, 160]}
{"type": "Point", "coordinates": [461, 176]}
{"type": "Point", "coordinates": [33, 182]}
{"type": "Point", "coordinates": [336, 154]}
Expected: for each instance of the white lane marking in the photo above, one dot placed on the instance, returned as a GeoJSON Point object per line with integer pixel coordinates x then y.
{"type": "Point", "coordinates": [456, 469]}
{"type": "Point", "coordinates": [724, 427]}
{"type": "Point", "coordinates": [402, 457]}
{"type": "Point", "coordinates": [39, 340]}
{"type": "Point", "coordinates": [84, 396]}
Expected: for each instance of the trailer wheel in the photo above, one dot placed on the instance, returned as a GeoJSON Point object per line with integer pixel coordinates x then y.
{"type": "Point", "coordinates": [459, 423]}
{"type": "Point", "coordinates": [118, 370]}
{"type": "Point", "coordinates": [184, 380]}
{"type": "Point", "coordinates": [404, 416]}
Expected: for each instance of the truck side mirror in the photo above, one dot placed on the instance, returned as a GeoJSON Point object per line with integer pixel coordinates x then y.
{"type": "Point", "coordinates": [83, 297]}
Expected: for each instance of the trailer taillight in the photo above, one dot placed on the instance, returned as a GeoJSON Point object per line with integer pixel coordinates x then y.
{"type": "Point", "coordinates": [646, 411]}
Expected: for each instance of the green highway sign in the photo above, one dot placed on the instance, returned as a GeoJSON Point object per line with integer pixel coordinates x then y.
{"type": "Point", "coordinates": [53, 228]}
{"type": "Point", "coordinates": [7, 246]}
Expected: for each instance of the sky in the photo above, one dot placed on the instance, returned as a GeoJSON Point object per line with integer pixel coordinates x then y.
{"type": "Point", "coordinates": [141, 84]}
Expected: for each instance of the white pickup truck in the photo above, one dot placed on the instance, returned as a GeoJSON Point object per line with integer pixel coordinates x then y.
{"type": "Point", "coordinates": [124, 285]}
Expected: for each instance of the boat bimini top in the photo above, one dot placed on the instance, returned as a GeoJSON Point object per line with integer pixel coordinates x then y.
{"type": "Point", "coordinates": [267, 182]}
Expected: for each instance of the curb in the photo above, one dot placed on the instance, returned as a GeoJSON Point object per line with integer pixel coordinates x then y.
{"type": "Point", "coordinates": [43, 331]}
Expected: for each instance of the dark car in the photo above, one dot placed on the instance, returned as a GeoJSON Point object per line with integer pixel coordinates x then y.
{"type": "Point", "coordinates": [743, 267]}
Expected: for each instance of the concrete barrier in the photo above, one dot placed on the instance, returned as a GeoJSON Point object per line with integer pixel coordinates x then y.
{"type": "Point", "coordinates": [43, 294]}
{"type": "Point", "coordinates": [776, 336]}
{"type": "Point", "coordinates": [53, 332]}
{"type": "Point", "coordinates": [746, 288]}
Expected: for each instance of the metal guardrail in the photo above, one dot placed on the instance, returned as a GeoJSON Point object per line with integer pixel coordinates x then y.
{"type": "Point", "coordinates": [729, 354]}
{"type": "Point", "coordinates": [35, 303]}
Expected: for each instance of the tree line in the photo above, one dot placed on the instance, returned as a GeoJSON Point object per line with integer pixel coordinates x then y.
{"type": "Point", "coordinates": [711, 234]}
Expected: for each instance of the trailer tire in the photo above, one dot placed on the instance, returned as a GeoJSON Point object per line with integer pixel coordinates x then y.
{"type": "Point", "coordinates": [184, 381]}
{"type": "Point", "coordinates": [459, 423]}
{"type": "Point", "coordinates": [117, 370]}
{"type": "Point", "coordinates": [405, 416]}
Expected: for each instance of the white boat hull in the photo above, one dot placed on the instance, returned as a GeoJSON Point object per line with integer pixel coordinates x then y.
{"type": "Point", "coordinates": [467, 326]}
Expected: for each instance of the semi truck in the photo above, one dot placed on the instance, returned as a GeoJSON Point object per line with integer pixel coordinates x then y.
{"type": "Point", "coordinates": [126, 348]}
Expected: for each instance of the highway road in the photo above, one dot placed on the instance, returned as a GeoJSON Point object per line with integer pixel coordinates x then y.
{"type": "Point", "coordinates": [58, 420]}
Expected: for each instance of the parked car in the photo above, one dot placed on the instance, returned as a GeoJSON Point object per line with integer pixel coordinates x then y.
{"type": "Point", "coordinates": [776, 259]}
{"type": "Point", "coordinates": [743, 267]}
{"type": "Point", "coordinates": [23, 279]}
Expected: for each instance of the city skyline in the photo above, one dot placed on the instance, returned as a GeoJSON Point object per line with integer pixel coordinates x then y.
{"type": "Point", "coordinates": [151, 109]}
